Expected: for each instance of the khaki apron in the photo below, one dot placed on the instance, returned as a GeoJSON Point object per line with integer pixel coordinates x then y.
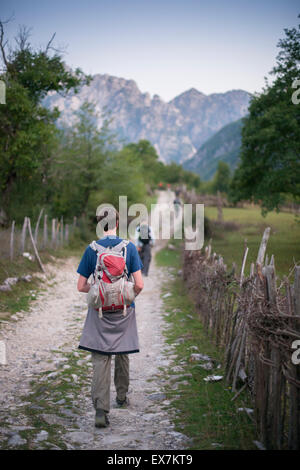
{"type": "Point", "coordinates": [114, 333]}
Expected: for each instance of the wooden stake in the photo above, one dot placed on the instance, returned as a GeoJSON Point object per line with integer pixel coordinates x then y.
{"type": "Point", "coordinates": [53, 234]}
{"type": "Point", "coordinates": [23, 235]}
{"type": "Point", "coordinates": [45, 234]}
{"type": "Point", "coordinates": [62, 231]}
{"type": "Point", "coordinates": [243, 264]}
{"type": "Point", "coordinates": [270, 283]}
{"type": "Point", "coordinates": [263, 246]}
{"type": "Point", "coordinates": [34, 247]}
{"type": "Point", "coordinates": [36, 231]}
{"type": "Point", "coordinates": [67, 233]}
{"type": "Point", "coordinates": [12, 240]}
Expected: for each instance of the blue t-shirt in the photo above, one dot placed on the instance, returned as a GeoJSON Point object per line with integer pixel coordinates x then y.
{"type": "Point", "coordinates": [88, 261]}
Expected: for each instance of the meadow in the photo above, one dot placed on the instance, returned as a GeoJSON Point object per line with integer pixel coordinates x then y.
{"type": "Point", "coordinates": [248, 224]}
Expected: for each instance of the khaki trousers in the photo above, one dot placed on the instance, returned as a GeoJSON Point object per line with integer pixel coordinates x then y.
{"type": "Point", "coordinates": [102, 378]}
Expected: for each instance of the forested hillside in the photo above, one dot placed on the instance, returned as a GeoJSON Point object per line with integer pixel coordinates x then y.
{"type": "Point", "coordinates": [224, 145]}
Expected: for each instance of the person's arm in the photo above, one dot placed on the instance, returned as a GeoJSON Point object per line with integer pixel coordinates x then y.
{"type": "Point", "coordinates": [82, 284]}
{"type": "Point", "coordinates": [139, 283]}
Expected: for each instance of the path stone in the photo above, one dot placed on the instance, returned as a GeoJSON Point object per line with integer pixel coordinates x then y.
{"type": "Point", "coordinates": [79, 437]}
{"type": "Point", "coordinates": [157, 396]}
{"type": "Point", "coordinates": [42, 436]}
{"type": "Point", "coordinates": [16, 440]}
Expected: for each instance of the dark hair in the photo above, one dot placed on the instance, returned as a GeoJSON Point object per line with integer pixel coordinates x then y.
{"type": "Point", "coordinates": [112, 216]}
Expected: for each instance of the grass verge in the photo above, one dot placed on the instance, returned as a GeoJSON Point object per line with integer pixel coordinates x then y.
{"type": "Point", "coordinates": [283, 241]}
{"type": "Point", "coordinates": [204, 411]}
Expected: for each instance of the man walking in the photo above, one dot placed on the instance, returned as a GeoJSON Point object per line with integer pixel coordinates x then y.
{"type": "Point", "coordinates": [144, 240]}
{"type": "Point", "coordinates": [113, 333]}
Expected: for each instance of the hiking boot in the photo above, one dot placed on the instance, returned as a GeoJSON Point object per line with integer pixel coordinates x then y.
{"type": "Point", "coordinates": [101, 419]}
{"type": "Point", "coordinates": [122, 403]}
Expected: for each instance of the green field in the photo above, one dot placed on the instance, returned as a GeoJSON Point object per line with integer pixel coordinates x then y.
{"type": "Point", "coordinates": [284, 241]}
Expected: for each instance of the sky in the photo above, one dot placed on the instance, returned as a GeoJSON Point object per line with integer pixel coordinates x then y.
{"type": "Point", "coordinates": [165, 46]}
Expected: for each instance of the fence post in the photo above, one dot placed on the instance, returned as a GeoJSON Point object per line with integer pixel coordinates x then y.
{"type": "Point", "coordinates": [269, 272]}
{"type": "Point", "coordinates": [45, 234]}
{"type": "Point", "coordinates": [34, 246]}
{"type": "Point", "coordinates": [61, 231]}
{"type": "Point", "coordinates": [53, 234]}
{"type": "Point", "coordinates": [36, 231]}
{"type": "Point", "coordinates": [57, 232]}
{"type": "Point", "coordinates": [12, 240]}
{"type": "Point", "coordinates": [23, 235]}
{"type": "Point", "coordinates": [263, 246]}
{"type": "Point", "coordinates": [67, 233]}
{"type": "Point", "coordinates": [243, 264]}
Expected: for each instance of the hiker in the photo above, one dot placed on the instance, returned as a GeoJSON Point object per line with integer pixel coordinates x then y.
{"type": "Point", "coordinates": [144, 240]}
{"type": "Point", "coordinates": [177, 205]}
{"type": "Point", "coordinates": [109, 330]}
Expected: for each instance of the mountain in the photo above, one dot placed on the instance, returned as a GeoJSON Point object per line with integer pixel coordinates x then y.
{"type": "Point", "coordinates": [176, 128]}
{"type": "Point", "coordinates": [224, 145]}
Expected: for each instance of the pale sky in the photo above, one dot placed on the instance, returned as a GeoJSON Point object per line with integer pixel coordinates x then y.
{"type": "Point", "coordinates": [166, 46]}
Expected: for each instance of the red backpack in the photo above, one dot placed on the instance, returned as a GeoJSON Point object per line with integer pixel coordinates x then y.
{"type": "Point", "coordinates": [111, 290]}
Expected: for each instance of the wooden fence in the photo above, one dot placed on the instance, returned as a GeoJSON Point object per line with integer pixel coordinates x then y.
{"type": "Point", "coordinates": [256, 321]}
{"type": "Point", "coordinates": [46, 234]}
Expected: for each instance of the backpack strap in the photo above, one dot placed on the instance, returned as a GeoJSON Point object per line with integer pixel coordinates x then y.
{"type": "Point", "coordinates": [119, 247]}
{"type": "Point", "coordinates": [100, 248]}
{"type": "Point", "coordinates": [96, 247]}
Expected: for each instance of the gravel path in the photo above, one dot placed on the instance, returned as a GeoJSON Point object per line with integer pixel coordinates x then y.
{"type": "Point", "coordinates": [45, 387]}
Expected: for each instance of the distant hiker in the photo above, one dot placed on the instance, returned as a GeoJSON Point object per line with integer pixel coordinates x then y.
{"type": "Point", "coordinates": [111, 328]}
{"type": "Point", "coordinates": [144, 240]}
{"type": "Point", "coordinates": [177, 205]}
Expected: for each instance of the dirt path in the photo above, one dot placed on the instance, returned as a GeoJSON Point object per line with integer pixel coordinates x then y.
{"type": "Point", "coordinates": [56, 410]}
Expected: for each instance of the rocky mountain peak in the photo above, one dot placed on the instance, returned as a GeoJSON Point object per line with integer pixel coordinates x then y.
{"type": "Point", "coordinates": [176, 129]}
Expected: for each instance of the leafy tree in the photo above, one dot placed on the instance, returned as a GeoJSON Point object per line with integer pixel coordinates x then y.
{"type": "Point", "coordinates": [143, 155]}
{"type": "Point", "coordinates": [270, 153]}
{"type": "Point", "coordinates": [78, 169]}
{"type": "Point", "coordinates": [120, 177]}
{"type": "Point", "coordinates": [27, 131]}
{"type": "Point", "coordinates": [222, 178]}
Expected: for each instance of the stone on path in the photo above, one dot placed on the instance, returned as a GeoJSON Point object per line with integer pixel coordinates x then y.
{"type": "Point", "coordinates": [80, 437]}
{"type": "Point", "coordinates": [16, 440]}
{"type": "Point", "coordinates": [42, 436]}
{"type": "Point", "coordinates": [157, 396]}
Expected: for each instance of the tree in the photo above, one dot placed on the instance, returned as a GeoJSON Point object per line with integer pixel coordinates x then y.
{"type": "Point", "coordinates": [143, 155]}
{"type": "Point", "coordinates": [27, 130]}
{"type": "Point", "coordinates": [270, 151]}
{"type": "Point", "coordinates": [222, 178]}
{"type": "Point", "coordinates": [78, 169]}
